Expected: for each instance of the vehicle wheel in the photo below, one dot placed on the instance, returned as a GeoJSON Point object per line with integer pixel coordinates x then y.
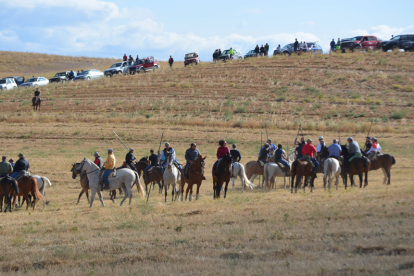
{"type": "Point", "coordinates": [88, 78]}
{"type": "Point", "coordinates": [4, 88]}
{"type": "Point", "coordinates": [155, 68]}
{"type": "Point", "coordinates": [286, 54]}
{"type": "Point", "coordinates": [142, 70]}
{"type": "Point", "coordinates": [395, 48]}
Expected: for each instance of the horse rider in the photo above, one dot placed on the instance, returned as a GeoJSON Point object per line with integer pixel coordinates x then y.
{"type": "Point", "coordinates": [280, 157]}
{"type": "Point", "coordinates": [375, 148]}
{"type": "Point", "coordinates": [21, 167]}
{"type": "Point", "coordinates": [109, 167]}
{"type": "Point", "coordinates": [335, 150]}
{"type": "Point", "coordinates": [98, 160]}
{"type": "Point", "coordinates": [302, 141]}
{"type": "Point", "coordinates": [353, 149]}
{"type": "Point", "coordinates": [6, 168]}
{"type": "Point", "coordinates": [129, 158]}
{"type": "Point", "coordinates": [368, 144]}
{"type": "Point", "coordinates": [11, 161]}
{"type": "Point", "coordinates": [309, 150]}
{"type": "Point", "coordinates": [272, 147]}
{"type": "Point", "coordinates": [36, 94]}
{"type": "Point", "coordinates": [221, 151]}
{"type": "Point", "coordinates": [298, 150]}
{"type": "Point", "coordinates": [165, 153]}
{"type": "Point", "coordinates": [153, 161]}
{"type": "Point", "coordinates": [264, 153]}
{"type": "Point", "coordinates": [320, 146]}
{"type": "Point", "coordinates": [190, 155]}
{"type": "Point", "coordinates": [235, 153]}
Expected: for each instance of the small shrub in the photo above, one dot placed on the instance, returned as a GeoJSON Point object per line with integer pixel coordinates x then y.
{"type": "Point", "coordinates": [240, 109]}
{"type": "Point", "coordinates": [187, 85]}
{"type": "Point", "coordinates": [228, 115]}
{"type": "Point", "coordinates": [311, 89]}
{"type": "Point", "coordinates": [231, 141]}
{"type": "Point", "coordinates": [281, 99]}
{"type": "Point", "coordinates": [396, 115]}
{"type": "Point", "coordinates": [410, 103]}
{"type": "Point", "coordinates": [396, 86]}
{"type": "Point", "coordinates": [148, 115]}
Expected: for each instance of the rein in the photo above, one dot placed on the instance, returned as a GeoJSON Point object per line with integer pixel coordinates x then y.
{"type": "Point", "coordinates": [83, 163]}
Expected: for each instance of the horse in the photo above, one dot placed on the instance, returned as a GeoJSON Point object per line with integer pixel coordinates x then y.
{"type": "Point", "coordinates": [358, 166]}
{"type": "Point", "coordinates": [36, 103]}
{"type": "Point", "coordinates": [171, 176]}
{"type": "Point", "coordinates": [7, 187]}
{"type": "Point", "coordinates": [41, 183]}
{"type": "Point", "coordinates": [300, 169]}
{"type": "Point", "coordinates": [384, 162]}
{"type": "Point", "coordinates": [272, 170]}
{"type": "Point", "coordinates": [238, 170]}
{"type": "Point", "coordinates": [141, 165]}
{"type": "Point", "coordinates": [124, 179]}
{"type": "Point", "coordinates": [331, 169]}
{"type": "Point", "coordinates": [155, 175]}
{"type": "Point", "coordinates": [253, 169]}
{"type": "Point", "coordinates": [28, 184]}
{"type": "Point", "coordinates": [195, 176]}
{"type": "Point", "coordinates": [221, 173]}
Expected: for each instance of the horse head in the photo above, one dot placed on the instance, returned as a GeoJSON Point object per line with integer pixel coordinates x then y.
{"type": "Point", "coordinates": [169, 160]}
{"type": "Point", "coordinates": [73, 170]}
{"type": "Point", "coordinates": [200, 164]}
{"type": "Point", "coordinates": [81, 166]}
{"type": "Point", "coordinates": [144, 159]}
{"type": "Point", "coordinates": [345, 151]}
{"type": "Point", "coordinates": [227, 161]}
{"type": "Point", "coordinates": [325, 152]}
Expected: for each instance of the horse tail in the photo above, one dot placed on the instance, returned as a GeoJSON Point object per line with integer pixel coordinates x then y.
{"type": "Point", "coordinates": [393, 160]}
{"type": "Point", "coordinates": [35, 189]}
{"type": "Point", "coordinates": [46, 180]}
{"type": "Point", "coordinates": [294, 165]}
{"type": "Point", "coordinates": [14, 185]}
{"type": "Point", "coordinates": [139, 185]}
{"type": "Point", "coordinates": [245, 179]}
{"type": "Point", "coordinates": [331, 169]}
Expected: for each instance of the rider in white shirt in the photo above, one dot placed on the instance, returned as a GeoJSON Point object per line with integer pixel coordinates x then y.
{"type": "Point", "coordinates": [374, 148]}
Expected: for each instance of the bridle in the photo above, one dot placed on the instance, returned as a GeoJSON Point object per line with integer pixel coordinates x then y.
{"type": "Point", "coordinates": [80, 170]}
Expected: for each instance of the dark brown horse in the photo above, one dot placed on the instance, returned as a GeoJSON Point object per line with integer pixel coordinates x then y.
{"type": "Point", "coordinates": [221, 174]}
{"type": "Point", "coordinates": [195, 176]}
{"type": "Point", "coordinates": [141, 165]}
{"type": "Point", "coordinates": [36, 103]}
{"type": "Point", "coordinates": [300, 169]}
{"type": "Point", "coordinates": [154, 177]}
{"type": "Point", "coordinates": [358, 166]}
{"type": "Point", "coordinates": [26, 185]}
{"type": "Point", "coordinates": [384, 162]}
{"type": "Point", "coordinates": [7, 188]}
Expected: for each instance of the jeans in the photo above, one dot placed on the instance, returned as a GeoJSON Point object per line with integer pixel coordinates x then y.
{"type": "Point", "coordinates": [231, 56]}
{"type": "Point", "coordinates": [349, 157]}
{"type": "Point", "coordinates": [13, 175]}
{"type": "Point", "coordinates": [105, 176]}
{"type": "Point", "coordinates": [316, 164]}
{"type": "Point", "coordinates": [286, 164]}
{"type": "Point", "coordinates": [132, 166]}
{"type": "Point", "coordinates": [148, 168]}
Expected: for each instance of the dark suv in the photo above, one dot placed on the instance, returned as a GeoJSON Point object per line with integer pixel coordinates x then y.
{"type": "Point", "coordinates": [397, 42]}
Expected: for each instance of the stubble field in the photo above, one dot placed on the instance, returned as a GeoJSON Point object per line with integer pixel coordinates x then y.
{"type": "Point", "coordinates": [345, 232]}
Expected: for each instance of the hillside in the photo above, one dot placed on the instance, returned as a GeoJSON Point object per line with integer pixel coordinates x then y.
{"type": "Point", "coordinates": [355, 231]}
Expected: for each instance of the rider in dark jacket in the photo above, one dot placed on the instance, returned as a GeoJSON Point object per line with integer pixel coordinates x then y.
{"type": "Point", "coordinates": [129, 158]}
{"type": "Point", "coordinates": [21, 166]}
{"type": "Point", "coordinates": [153, 159]}
{"type": "Point", "coordinates": [235, 154]}
{"type": "Point", "coordinates": [264, 152]}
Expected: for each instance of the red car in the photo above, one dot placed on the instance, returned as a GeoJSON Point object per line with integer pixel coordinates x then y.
{"type": "Point", "coordinates": [191, 58]}
{"type": "Point", "coordinates": [144, 65]}
{"type": "Point", "coordinates": [361, 43]}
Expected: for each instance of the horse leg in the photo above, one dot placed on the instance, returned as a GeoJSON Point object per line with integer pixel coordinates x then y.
{"type": "Point", "coordinates": [198, 190]}
{"type": "Point", "coordinates": [232, 182]}
{"type": "Point", "coordinates": [291, 185]}
{"type": "Point", "coordinates": [165, 187]}
{"type": "Point", "coordinates": [159, 187]}
{"type": "Point", "coordinates": [87, 195]}
{"type": "Point", "coordinates": [126, 194]}
{"type": "Point", "coordinates": [130, 195]}
{"type": "Point", "coordinates": [25, 197]}
{"type": "Point", "coordinates": [324, 181]}
{"type": "Point", "coordinates": [386, 180]}
{"type": "Point", "coordinates": [366, 178]}
{"type": "Point", "coordinates": [351, 178]}
{"type": "Point", "coordinates": [113, 195]}
{"type": "Point", "coordinates": [93, 192]}
{"type": "Point", "coordinates": [225, 189]}
{"type": "Point", "coordinates": [1, 204]}
{"type": "Point", "coordinates": [360, 180]}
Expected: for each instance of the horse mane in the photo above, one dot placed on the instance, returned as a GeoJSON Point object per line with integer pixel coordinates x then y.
{"type": "Point", "coordinates": [345, 151]}
{"type": "Point", "coordinates": [145, 158]}
{"type": "Point", "coordinates": [92, 163]}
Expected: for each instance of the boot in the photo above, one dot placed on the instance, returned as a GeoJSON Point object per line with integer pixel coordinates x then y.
{"type": "Point", "coordinates": [287, 172]}
{"type": "Point", "coordinates": [314, 175]}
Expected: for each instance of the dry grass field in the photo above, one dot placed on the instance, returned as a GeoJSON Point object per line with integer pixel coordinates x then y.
{"type": "Point", "coordinates": [341, 232]}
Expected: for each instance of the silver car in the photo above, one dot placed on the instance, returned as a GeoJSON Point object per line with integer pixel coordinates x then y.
{"type": "Point", "coordinates": [89, 75]}
{"type": "Point", "coordinates": [225, 55]}
{"type": "Point", "coordinates": [118, 68]}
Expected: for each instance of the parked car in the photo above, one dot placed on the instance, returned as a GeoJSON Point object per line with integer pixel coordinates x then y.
{"type": "Point", "coordinates": [225, 55]}
{"type": "Point", "coordinates": [250, 53]}
{"type": "Point", "coordinates": [191, 58]}
{"type": "Point", "coordinates": [409, 46]}
{"type": "Point", "coordinates": [118, 68]}
{"type": "Point", "coordinates": [397, 42]}
{"type": "Point", "coordinates": [36, 81]}
{"type": "Point", "coordinates": [18, 80]}
{"type": "Point", "coordinates": [361, 43]}
{"type": "Point", "coordinates": [288, 49]}
{"type": "Point", "coordinates": [62, 76]}
{"type": "Point", "coordinates": [7, 84]}
{"type": "Point", "coordinates": [89, 75]}
{"type": "Point", "coordinates": [144, 65]}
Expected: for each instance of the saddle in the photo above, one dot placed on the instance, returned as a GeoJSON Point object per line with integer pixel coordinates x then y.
{"type": "Point", "coordinates": [280, 165]}
{"type": "Point", "coordinates": [339, 158]}
{"type": "Point", "coordinates": [377, 154]}
{"type": "Point", "coordinates": [261, 163]}
{"type": "Point", "coordinates": [35, 99]}
{"type": "Point", "coordinates": [308, 159]}
{"type": "Point", "coordinates": [112, 175]}
{"type": "Point", "coordinates": [21, 174]}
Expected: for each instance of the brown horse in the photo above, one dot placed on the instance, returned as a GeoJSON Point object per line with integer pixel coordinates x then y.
{"type": "Point", "coordinates": [7, 187]}
{"type": "Point", "coordinates": [221, 173]}
{"type": "Point", "coordinates": [300, 169]}
{"type": "Point", "coordinates": [195, 176]}
{"type": "Point", "coordinates": [384, 162]}
{"type": "Point", "coordinates": [141, 165]}
{"type": "Point", "coordinates": [36, 103]}
{"type": "Point", "coordinates": [155, 175]}
{"type": "Point", "coordinates": [358, 166]}
{"type": "Point", "coordinates": [253, 169]}
{"type": "Point", "coordinates": [26, 185]}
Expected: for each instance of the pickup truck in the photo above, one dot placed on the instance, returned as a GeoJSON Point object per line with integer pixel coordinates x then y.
{"type": "Point", "coordinates": [361, 43]}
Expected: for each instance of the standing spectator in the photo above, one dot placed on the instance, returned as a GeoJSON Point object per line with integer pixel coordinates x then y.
{"type": "Point", "coordinates": [262, 51]}
{"type": "Point", "coordinates": [266, 49]}
{"type": "Point", "coordinates": [333, 45]}
{"type": "Point", "coordinates": [338, 44]}
{"type": "Point", "coordinates": [296, 45]}
{"type": "Point", "coordinates": [231, 52]}
{"type": "Point", "coordinates": [136, 60]}
{"type": "Point", "coordinates": [305, 46]}
{"type": "Point", "coordinates": [256, 51]}
{"type": "Point", "coordinates": [219, 53]}
{"type": "Point", "coordinates": [125, 57]}
{"type": "Point", "coordinates": [215, 56]}
{"type": "Point", "coordinates": [130, 59]}
{"type": "Point", "coordinates": [171, 61]}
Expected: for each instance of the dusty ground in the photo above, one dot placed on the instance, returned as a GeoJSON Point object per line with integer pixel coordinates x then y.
{"type": "Point", "coordinates": [345, 232]}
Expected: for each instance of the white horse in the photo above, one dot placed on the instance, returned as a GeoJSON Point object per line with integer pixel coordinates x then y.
{"type": "Point", "coordinates": [41, 184]}
{"type": "Point", "coordinates": [331, 169]}
{"type": "Point", "coordinates": [125, 179]}
{"type": "Point", "coordinates": [171, 176]}
{"type": "Point", "coordinates": [238, 170]}
{"type": "Point", "coordinates": [272, 170]}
